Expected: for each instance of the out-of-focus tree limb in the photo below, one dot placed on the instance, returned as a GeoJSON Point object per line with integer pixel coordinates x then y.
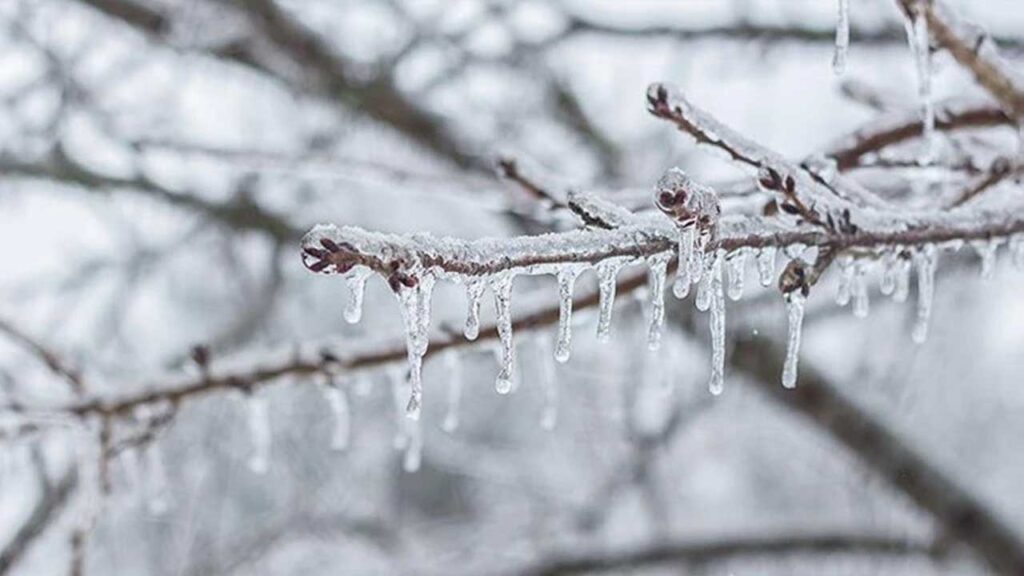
{"type": "Point", "coordinates": [961, 515]}
{"type": "Point", "coordinates": [52, 501]}
{"type": "Point", "coordinates": [46, 355]}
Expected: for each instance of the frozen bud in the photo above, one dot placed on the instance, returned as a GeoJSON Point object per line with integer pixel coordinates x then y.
{"type": "Point", "coordinates": [795, 277]}
{"type": "Point", "coordinates": [327, 256]}
{"type": "Point", "coordinates": [687, 201]}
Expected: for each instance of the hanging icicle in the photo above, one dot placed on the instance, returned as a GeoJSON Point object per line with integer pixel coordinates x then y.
{"type": "Point", "coordinates": [681, 286]}
{"type": "Point", "coordinates": [766, 265]}
{"type": "Point", "coordinates": [501, 285]}
{"type": "Point", "coordinates": [717, 324]}
{"type": "Point", "coordinates": [356, 282]}
{"type": "Point", "coordinates": [736, 267]}
{"type": "Point", "coordinates": [453, 371]}
{"type": "Point", "coordinates": [474, 293]}
{"type": "Point", "coordinates": [846, 273]}
{"type": "Point", "coordinates": [795, 308]}
{"type": "Point", "coordinates": [607, 272]}
{"type": "Point", "coordinates": [859, 291]}
{"type": "Point", "coordinates": [917, 36]}
{"type": "Point", "coordinates": [259, 433]}
{"type": "Point", "coordinates": [1017, 251]}
{"type": "Point", "coordinates": [925, 260]}
{"type": "Point", "coordinates": [337, 399]}
{"type": "Point", "coordinates": [902, 291]}
{"type": "Point", "coordinates": [887, 285]}
{"type": "Point", "coordinates": [842, 38]}
{"type": "Point", "coordinates": [566, 282]}
{"type": "Point", "coordinates": [657, 266]}
{"type": "Point", "coordinates": [986, 250]}
{"type": "Point", "coordinates": [415, 301]}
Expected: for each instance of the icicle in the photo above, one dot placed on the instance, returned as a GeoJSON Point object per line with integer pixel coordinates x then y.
{"type": "Point", "coordinates": [474, 292]}
{"type": "Point", "coordinates": [414, 448]}
{"type": "Point", "coordinates": [502, 287]}
{"type": "Point", "coordinates": [566, 282]}
{"type": "Point", "coordinates": [703, 299]}
{"type": "Point", "coordinates": [737, 266]}
{"type": "Point", "coordinates": [859, 291]}
{"type": "Point", "coordinates": [917, 35]}
{"type": "Point", "coordinates": [549, 417]}
{"type": "Point", "coordinates": [606, 275]}
{"type": "Point", "coordinates": [842, 38]}
{"type": "Point", "coordinates": [795, 309]}
{"type": "Point", "coordinates": [698, 255]}
{"type": "Point", "coordinates": [1017, 250]}
{"type": "Point", "coordinates": [337, 399]}
{"type": "Point", "coordinates": [902, 291]}
{"type": "Point", "coordinates": [356, 281]}
{"type": "Point", "coordinates": [986, 250]}
{"type": "Point", "coordinates": [766, 265]}
{"type": "Point", "coordinates": [656, 288]}
{"type": "Point", "coordinates": [259, 432]}
{"type": "Point", "coordinates": [717, 324]}
{"type": "Point", "coordinates": [846, 272]}
{"type": "Point", "coordinates": [925, 259]}
{"type": "Point", "coordinates": [453, 371]}
{"type": "Point", "coordinates": [158, 500]}
{"type": "Point", "coordinates": [415, 302]}
{"type": "Point", "coordinates": [681, 286]}
{"type": "Point", "coordinates": [890, 266]}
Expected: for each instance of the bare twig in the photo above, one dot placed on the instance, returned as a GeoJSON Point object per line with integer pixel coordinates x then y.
{"type": "Point", "coordinates": [49, 357]}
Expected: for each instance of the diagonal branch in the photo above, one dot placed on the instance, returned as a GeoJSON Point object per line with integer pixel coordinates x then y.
{"type": "Point", "coordinates": [46, 355]}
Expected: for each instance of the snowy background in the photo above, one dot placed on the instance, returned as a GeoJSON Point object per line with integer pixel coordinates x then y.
{"type": "Point", "coordinates": [153, 191]}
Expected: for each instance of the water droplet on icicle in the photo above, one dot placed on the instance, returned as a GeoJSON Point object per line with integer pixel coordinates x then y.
{"type": "Point", "coordinates": [502, 287]}
{"type": "Point", "coordinates": [925, 260]}
{"type": "Point", "coordinates": [766, 265]}
{"type": "Point", "coordinates": [356, 282]}
{"type": "Point", "coordinates": [259, 433]}
{"type": "Point", "coordinates": [474, 293]}
{"type": "Point", "coordinates": [453, 371]}
{"type": "Point", "coordinates": [795, 313]}
{"type": "Point", "coordinates": [658, 265]}
{"type": "Point", "coordinates": [842, 38]}
{"type": "Point", "coordinates": [986, 250]}
{"type": "Point", "coordinates": [566, 282]}
{"type": "Point", "coordinates": [681, 285]}
{"type": "Point", "coordinates": [606, 281]}
{"type": "Point", "coordinates": [859, 291]}
{"type": "Point", "coordinates": [337, 399]}
{"type": "Point", "coordinates": [736, 267]}
{"type": "Point", "coordinates": [917, 36]}
{"type": "Point", "coordinates": [717, 324]}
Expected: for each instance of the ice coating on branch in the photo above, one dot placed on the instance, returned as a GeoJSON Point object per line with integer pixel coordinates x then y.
{"type": "Point", "coordinates": [549, 416]}
{"type": "Point", "coordinates": [453, 371]}
{"type": "Point", "coordinates": [859, 290]}
{"type": "Point", "coordinates": [925, 260]}
{"type": "Point", "coordinates": [917, 36]}
{"type": "Point", "coordinates": [501, 285]}
{"type": "Point", "coordinates": [356, 281]}
{"type": "Point", "coordinates": [157, 495]}
{"type": "Point", "coordinates": [681, 285]}
{"type": "Point", "coordinates": [695, 210]}
{"type": "Point", "coordinates": [656, 286]}
{"type": "Point", "coordinates": [415, 302]}
{"type": "Point", "coordinates": [717, 324]}
{"type": "Point", "coordinates": [594, 210]}
{"type": "Point", "coordinates": [566, 282]}
{"type": "Point", "coordinates": [736, 265]}
{"type": "Point", "coordinates": [766, 265]}
{"type": "Point", "coordinates": [337, 399]}
{"type": "Point", "coordinates": [795, 313]}
{"type": "Point", "coordinates": [474, 293]}
{"type": "Point", "coordinates": [607, 271]}
{"type": "Point", "coordinates": [259, 433]}
{"type": "Point", "coordinates": [986, 250]}
{"type": "Point", "coordinates": [844, 288]}
{"type": "Point", "coordinates": [842, 38]}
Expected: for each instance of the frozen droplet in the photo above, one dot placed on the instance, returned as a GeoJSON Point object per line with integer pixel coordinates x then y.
{"type": "Point", "coordinates": [681, 286]}
{"type": "Point", "coordinates": [925, 260]}
{"type": "Point", "coordinates": [795, 313]}
{"type": "Point", "coordinates": [986, 250]}
{"type": "Point", "coordinates": [337, 399]}
{"type": "Point", "coordinates": [717, 324]}
{"type": "Point", "coordinates": [657, 266]}
{"type": "Point", "coordinates": [846, 272]}
{"type": "Point", "coordinates": [859, 290]}
{"type": "Point", "coordinates": [453, 372]}
{"type": "Point", "coordinates": [607, 272]}
{"type": "Point", "coordinates": [474, 293]}
{"type": "Point", "coordinates": [766, 265]}
{"type": "Point", "coordinates": [259, 433]}
{"type": "Point", "coordinates": [356, 282]}
{"type": "Point", "coordinates": [413, 457]}
{"type": "Point", "coordinates": [501, 285]}
{"type": "Point", "coordinates": [158, 500]}
{"type": "Point", "coordinates": [566, 282]}
{"type": "Point", "coordinates": [737, 267]}
{"type": "Point", "coordinates": [842, 38]}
